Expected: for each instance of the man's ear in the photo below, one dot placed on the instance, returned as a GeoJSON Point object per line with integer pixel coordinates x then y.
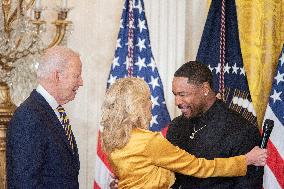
{"type": "Point", "coordinates": [55, 76]}
{"type": "Point", "coordinates": [206, 88]}
{"type": "Point", "coordinates": [219, 96]}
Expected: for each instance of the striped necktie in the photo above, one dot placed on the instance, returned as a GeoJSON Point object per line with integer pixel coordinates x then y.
{"type": "Point", "coordinates": [66, 125]}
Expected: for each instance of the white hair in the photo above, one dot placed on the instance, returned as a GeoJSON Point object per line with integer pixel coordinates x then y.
{"type": "Point", "coordinates": [54, 58]}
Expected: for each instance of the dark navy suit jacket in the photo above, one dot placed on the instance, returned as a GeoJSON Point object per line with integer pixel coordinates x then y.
{"type": "Point", "coordinates": [38, 153]}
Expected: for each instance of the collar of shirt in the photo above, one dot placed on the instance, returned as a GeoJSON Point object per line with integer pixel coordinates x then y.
{"type": "Point", "coordinates": [49, 99]}
{"type": "Point", "coordinates": [208, 116]}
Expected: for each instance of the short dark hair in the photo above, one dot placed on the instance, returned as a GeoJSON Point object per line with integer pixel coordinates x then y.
{"type": "Point", "coordinates": [196, 72]}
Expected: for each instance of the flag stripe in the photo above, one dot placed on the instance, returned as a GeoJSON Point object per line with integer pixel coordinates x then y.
{"type": "Point", "coordinates": [277, 132]}
{"type": "Point", "coordinates": [164, 130]}
{"type": "Point", "coordinates": [101, 154]}
{"type": "Point", "coordinates": [274, 170]}
{"type": "Point", "coordinates": [96, 186]}
{"type": "Point", "coordinates": [276, 164]}
{"type": "Point", "coordinates": [269, 181]}
{"type": "Point", "coordinates": [273, 177]}
{"type": "Point", "coordinates": [103, 179]}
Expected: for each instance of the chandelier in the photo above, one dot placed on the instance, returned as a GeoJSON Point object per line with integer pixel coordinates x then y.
{"type": "Point", "coordinates": [22, 34]}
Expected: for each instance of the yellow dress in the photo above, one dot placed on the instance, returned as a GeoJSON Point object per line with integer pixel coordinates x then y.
{"type": "Point", "coordinates": [148, 161]}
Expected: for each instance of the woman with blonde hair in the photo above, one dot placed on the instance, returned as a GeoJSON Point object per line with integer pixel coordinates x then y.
{"type": "Point", "coordinates": [144, 159]}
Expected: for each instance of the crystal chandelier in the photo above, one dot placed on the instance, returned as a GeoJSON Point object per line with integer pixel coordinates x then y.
{"type": "Point", "coordinates": [22, 31]}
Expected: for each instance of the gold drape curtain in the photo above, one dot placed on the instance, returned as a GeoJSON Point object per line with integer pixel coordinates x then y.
{"type": "Point", "coordinates": [261, 31]}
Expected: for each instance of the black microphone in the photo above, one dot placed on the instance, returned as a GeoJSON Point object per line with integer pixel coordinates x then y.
{"type": "Point", "coordinates": [266, 131]}
{"type": "Point", "coordinates": [267, 128]}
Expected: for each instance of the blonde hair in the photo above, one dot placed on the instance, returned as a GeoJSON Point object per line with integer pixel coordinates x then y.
{"type": "Point", "coordinates": [122, 110]}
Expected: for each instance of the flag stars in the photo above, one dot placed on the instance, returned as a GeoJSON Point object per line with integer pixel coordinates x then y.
{"type": "Point", "coordinates": [141, 63]}
{"type": "Point", "coordinates": [141, 44]}
{"type": "Point", "coordinates": [139, 6]}
{"type": "Point", "coordinates": [112, 79]}
{"type": "Point", "coordinates": [279, 77]}
{"type": "Point", "coordinates": [115, 62]}
{"type": "Point", "coordinates": [154, 120]}
{"type": "Point", "coordinates": [227, 68]}
{"type": "Point", "coordinates": [218, 68]}
{"type": "Point", "coordinates": [210, 68]}
{"type": "Point", "coordinates": [154, 101]}
{"type": "Point", "coordinates": [282, 59]}
{"type": "Point", "coordinates": [242, 71]}
{"type": "Point", "coordinates": [121, 23]}
{"type": "Point", "coordinates": [118, 43]}
{"type": "Point", "coordinates": [154, 82]}
{"type": "Point", "coordinates": [126, 62]}
{"type": "Point", "coordinates": [235, 68]}
{"type": "Point", "coordinates": [141, 25]}
{"type": "Point", "coordinates": [276, 96]}
{"type": "Point", "coordinates": [152, 65]}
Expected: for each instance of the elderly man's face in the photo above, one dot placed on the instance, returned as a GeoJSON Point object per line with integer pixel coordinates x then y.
{"type": "Point", "coordinates": [70, 80]}
{"type": "Point", "coordinates": [189, 98]}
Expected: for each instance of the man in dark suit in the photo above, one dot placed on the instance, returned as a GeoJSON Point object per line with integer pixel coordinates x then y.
{"type": "Point", "coordinates": [208, 128]}
{"type": "Point", "coordinates": [41, 148]}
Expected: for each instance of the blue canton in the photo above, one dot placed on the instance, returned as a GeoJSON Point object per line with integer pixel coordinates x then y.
{"type": "Point", "coordinates": [237, 95]}
{"type": "Point", "coordinates": [144, 65]}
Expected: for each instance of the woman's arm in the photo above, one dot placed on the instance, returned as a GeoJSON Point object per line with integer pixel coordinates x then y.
{"type": "Point", "coordinates": [168, 156]}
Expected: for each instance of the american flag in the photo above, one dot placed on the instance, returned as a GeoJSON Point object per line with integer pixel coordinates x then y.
{"type": "Point", "coordinates": [274, 170]}
{"type": "Point", "coordinates": [220, 50]}
{"type": "Point", "coordinates": [133, 58]}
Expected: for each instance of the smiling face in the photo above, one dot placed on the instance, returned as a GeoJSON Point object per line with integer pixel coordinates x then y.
{"type": "Point", "coordinates": [69, 80]}
{"type": "Point", "coordinates": [189, 98]}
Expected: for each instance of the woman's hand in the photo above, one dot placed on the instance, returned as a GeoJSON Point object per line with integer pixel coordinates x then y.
{"type": "Point", "coordinates": [257, 156]}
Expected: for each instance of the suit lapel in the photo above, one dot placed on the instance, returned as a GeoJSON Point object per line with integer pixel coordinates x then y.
{"type": "Point", "coordinates": [56, 126]}
{"type": "Point", "coordinates": [76, 154]}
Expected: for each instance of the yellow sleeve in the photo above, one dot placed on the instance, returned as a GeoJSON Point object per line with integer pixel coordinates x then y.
{"type": "Point", "coordinates": [168, 156]}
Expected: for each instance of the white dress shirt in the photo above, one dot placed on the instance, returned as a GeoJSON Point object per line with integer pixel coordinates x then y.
{"type": "Point", "coordinates": [50, 100]}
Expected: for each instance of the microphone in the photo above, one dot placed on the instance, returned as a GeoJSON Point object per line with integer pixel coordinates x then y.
{"type": "Point", "coordinates": [267, 128]}
{"type": "Point", "coordinates": [266, 131]}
